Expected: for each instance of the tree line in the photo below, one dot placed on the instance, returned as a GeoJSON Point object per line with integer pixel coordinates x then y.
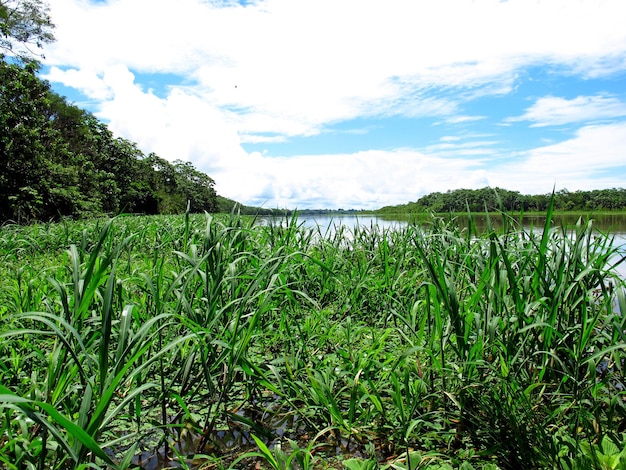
{"type": "Point", "coordinates": [494, 199]}
{"type": "Point", "coordinates": [58, 160]}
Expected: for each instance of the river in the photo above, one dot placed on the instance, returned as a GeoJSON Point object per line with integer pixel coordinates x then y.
{"type": "Point", "coordinates": [612, 224]}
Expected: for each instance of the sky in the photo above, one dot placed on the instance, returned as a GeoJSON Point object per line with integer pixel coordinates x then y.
{"type": "Point", "coordinates": [356, 104]}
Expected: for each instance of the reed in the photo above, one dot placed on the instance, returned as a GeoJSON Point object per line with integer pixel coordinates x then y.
{"type": "Point", "coordinates": [426, 345]}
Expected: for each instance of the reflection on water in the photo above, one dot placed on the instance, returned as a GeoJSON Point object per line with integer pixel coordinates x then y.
{"type": "Point", "coordinates": [606, 223]}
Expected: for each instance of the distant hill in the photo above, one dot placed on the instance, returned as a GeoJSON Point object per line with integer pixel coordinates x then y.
{"type": "Point", "coordinates": [227, 205]}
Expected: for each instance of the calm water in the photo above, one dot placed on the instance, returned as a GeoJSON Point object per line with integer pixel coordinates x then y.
{"type": "Point", "coordinates": [612, 224]}
{"type": "Point", "coordinates": [328, 223]}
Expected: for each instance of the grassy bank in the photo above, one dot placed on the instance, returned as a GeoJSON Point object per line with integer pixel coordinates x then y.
{"type": "Point", "coordinates": [217, 343]}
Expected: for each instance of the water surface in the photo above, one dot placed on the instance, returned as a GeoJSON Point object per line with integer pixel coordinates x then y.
{"type": "Point", "coordinates": [613, 225]}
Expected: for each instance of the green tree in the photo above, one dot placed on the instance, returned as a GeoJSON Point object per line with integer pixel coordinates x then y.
{"type": "Point", "coordinates": [24, 25]}
{"type": "Point", "coordinates": [196, 187]}
{"type": "Point", "coordinates": [164, 182]}
{"type": "Point", "coordinates": [36, 184]}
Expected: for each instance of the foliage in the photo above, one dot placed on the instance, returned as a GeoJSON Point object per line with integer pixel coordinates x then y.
{"type": "Point", "coordinates": [24, 24]}
{"type": "Point", "coordinates": [494, 199]}
{"type": "Point", "coordinates": [35, 182]}
{"type": "Point", "coordinates": [57, 160]}
{"type": "Point", "coordinates": [426, 346]}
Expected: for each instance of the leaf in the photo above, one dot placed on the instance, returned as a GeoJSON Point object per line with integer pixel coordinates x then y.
{"type": "Point", "coordinates": [6, 396]}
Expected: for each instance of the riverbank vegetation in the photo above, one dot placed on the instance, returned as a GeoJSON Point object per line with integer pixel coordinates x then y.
{"type": "Point", "coordinates": [204, 341]}
{"type": "Point", "coordinates": [58, 160]}
{"type": "Point", "coordinates": [217, 342]}
{"type": "Point", "coordinates": [493, 199]}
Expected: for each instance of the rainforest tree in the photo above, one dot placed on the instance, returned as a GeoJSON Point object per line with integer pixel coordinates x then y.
{"type": "Point", "coordinates": [35, 181]}
{"type": "Point", "coordinates": [59, 160]}
{"type": "Point", "coordinates": [494, 199]}
{"type": "Point", "coordinates": [24, 26]}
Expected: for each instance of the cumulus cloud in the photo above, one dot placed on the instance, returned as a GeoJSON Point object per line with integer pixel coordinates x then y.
{"type": "Point", "coordinates": [279, 69]}
{"type": "Point", "coordinates": [368, 179]}
{"type": "Point", "coordinates": [376, 178]}
{"type": "Point", "coordinates": [586, 161]}
{"type": "Point", "coordinates": [180, 126]}
{"type": "Point", "coordinates": [89, 82]}
{"type": "Point", "coordinates": [594, 148]}
{"type": "Point", "coordinates": [310, 62]}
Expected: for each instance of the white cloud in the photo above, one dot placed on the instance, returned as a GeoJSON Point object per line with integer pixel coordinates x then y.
{"type": "Point", "coordinates": [556, 111]}
{"type": "Point", "coordinates": [463, 118]}
{"type": "Point", "coordinates": [284, 68]}
{"type": "Point", "coordinates": [458, 147]}
{"type": "Point", "coordinates": [594, 158]}
{"type": "Point", "coordinates": [180, 126]}
{"type": "Point", "coordinates": [368, 179]}
{"type": "Point", "coordinates": [87, 81]}
{"type": "Point", "coordinates": [594, 148]}
{"type": "Point", "coordinates": [310, 62]}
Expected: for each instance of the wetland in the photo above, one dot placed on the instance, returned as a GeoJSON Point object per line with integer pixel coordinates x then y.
{"type": "Point", "coordinates": [201, 341]}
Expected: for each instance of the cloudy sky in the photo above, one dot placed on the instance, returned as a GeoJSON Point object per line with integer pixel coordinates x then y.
{"type": "Point", "coordinates": [356, 103]}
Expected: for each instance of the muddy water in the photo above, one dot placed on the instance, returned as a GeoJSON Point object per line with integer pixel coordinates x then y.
{"type": "Point", "coordinates": [237, 440]}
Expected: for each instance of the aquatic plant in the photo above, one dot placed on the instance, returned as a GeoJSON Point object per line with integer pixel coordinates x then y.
{"type": "Point", "coordinates": [140, 338]}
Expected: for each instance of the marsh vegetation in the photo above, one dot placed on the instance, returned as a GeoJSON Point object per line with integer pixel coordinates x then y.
{"type": "Point", "coordinates": [215, 342]}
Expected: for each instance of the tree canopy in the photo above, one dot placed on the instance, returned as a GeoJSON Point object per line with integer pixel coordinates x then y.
{"type": "Point", "coordinates": [59, 160]}
{"type": "Point", "coordinates": [24, 24]}
{"type": "Point", "coordinates": [494, 199]}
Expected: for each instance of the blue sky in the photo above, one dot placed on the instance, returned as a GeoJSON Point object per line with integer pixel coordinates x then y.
{"type": "Point", "coordinates": [356, 103]}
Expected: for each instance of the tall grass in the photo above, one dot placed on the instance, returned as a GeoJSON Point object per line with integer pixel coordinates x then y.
{"type": "Point", "coordinates": [424, 345]}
